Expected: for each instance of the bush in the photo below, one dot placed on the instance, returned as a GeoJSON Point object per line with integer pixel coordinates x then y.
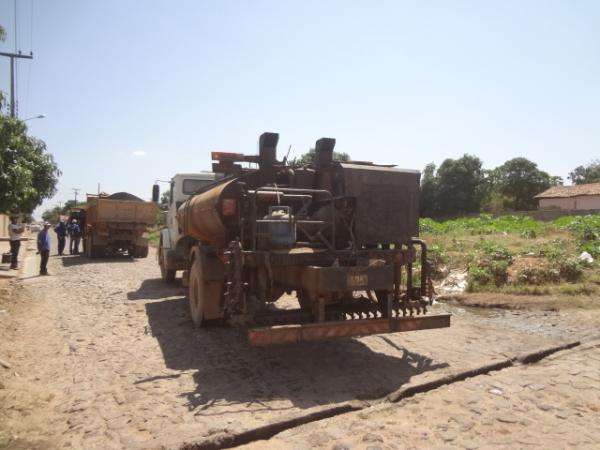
{"type": "Point", "coordinates": [436, 258]}
{"type": "Point", "coordinates": [570, 269]}
{"type": "Point", "coordinates": [489, 264]}
{"type": "Point", "coordinates": [538, 275]}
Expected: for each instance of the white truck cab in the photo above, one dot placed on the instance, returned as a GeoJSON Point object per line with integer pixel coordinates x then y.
{"type": "Point", "coordinates": [172, 251]}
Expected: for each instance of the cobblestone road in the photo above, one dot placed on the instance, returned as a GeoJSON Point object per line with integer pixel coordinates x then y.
{"type": "Point", "coordinates": [103, 355]}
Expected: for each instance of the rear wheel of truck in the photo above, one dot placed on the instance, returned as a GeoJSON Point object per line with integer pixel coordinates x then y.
{"type": "Point", "coordinates": [167, 275]}
{"type": "Point", "coordinates": [93, 251]}
{"type": "Point", "coordinates": [203, 295]}
{"type": "Point", "coordinates": [140, 251]}
{"type": "Point", "coordinates": [195, 293]}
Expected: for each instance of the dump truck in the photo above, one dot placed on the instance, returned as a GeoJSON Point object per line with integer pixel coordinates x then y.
{"type": "Point", "coordinates": [342, 236]}
{"type": "Point", "coordinates": [117, 223]}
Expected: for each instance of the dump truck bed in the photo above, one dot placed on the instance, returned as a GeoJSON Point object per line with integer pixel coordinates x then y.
{"type": "Point", "coordinates": [102, 209]}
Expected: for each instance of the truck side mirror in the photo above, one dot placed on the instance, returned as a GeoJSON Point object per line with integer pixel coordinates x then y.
{"type": "Point", "coordinates": [155, 193]}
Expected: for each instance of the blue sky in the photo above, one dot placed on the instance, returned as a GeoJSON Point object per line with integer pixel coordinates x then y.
{"type": "Point", "coordinates": [137, 91]}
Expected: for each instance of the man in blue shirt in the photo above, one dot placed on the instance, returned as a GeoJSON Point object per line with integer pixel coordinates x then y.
{"type": "Point", "coordinates": [75, 237]}
{"type": "Point", "coordinates": [43, 246]}
{"type": "Point", "coordinates": [61, 234]}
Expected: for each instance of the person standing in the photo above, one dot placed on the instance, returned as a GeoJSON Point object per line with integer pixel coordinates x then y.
{"type": "Point", "coordinates": [61, 234]}
{"type": "Point", "coordinates": [75, 237]}
{"type": "Point", "coordinates": [15, 230]}
{"type": "Point", "coordinates": [43, 246]}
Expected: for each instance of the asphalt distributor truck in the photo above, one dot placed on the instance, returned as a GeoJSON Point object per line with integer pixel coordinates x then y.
{"type": "Point", "coordinates": [341, 235]}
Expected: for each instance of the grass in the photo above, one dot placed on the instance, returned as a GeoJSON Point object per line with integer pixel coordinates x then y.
{"type": "Point", "coordinates": [154, 238]}
{"type": "Point", "coordinates": [518, 255]}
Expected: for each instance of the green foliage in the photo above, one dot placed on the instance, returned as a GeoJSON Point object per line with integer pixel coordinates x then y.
{"type": "Point", "coordinates": [163, 205]}
{"type": "Point", "coordinates": [586, 174]}
{"type": "Point", "coordinates": [487, 272]}
{"type": "Point", "coordinates": [2, 33]}
{"type": "Point", "coordinates": [482, 225]}
{"type": "Point", "coordinates": [519, 180]}
{"type": "Point", "coordinates": [570, 269]}
{"type": "Point", "coordinates": [458, 186]}
{"type": "Point", "coordinates": [586, 230]}
{"type": "Point", "coordinates": [489, 264]}
{"type": "Point", "coordinates": [53, 215]}
{"type": "Point", "coordinates": [154, 238]}
{"type": "Point", "coordinates": [307, 158]}
{"type": "Point", "coordinates": [28, 174]}
{"type": "Point", "coordinates": [436, 259]}
{"type": "Point", "coordinates": [537, 275]}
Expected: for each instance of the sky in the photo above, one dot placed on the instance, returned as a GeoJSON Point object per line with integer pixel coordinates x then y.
{"type": "Point", "coordinates": [139, 91]}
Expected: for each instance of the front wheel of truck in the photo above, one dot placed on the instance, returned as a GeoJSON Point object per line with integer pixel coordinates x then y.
{"type": "Point", "coordinates": [167, 275]}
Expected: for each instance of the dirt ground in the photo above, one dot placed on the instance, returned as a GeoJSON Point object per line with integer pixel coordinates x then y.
{"type": "Point", "coordinates": [103, 355]}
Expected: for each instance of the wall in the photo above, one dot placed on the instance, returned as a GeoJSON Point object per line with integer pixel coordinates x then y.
{"type": "Point", "coordinates": [4, 221]}
{"type": "Point", "coordinates": [580, 202]}
{"type": "Point", "coordinates": [557, 203]}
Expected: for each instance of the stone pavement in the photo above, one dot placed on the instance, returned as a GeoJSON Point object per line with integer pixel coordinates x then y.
{"type": "Point", "coordinates": [554, 403]}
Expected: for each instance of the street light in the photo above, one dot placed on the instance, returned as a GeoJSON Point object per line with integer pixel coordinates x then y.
{"type": "Point", "coordinates": [41, 116]}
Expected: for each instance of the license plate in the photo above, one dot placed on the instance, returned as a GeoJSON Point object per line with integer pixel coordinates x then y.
{"type": "Point", "coordinates": [357, 280]}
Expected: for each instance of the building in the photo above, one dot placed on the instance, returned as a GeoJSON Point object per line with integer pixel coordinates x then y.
{"type": "Point", "coordinates": [581, 196]}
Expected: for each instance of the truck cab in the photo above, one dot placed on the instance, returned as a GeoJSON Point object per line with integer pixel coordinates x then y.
{"type": "Point", "coordinates": [172, 251]}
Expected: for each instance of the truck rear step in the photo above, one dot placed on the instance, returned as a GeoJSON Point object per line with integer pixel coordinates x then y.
{"type": "Point", "coordinates": [286, 334]}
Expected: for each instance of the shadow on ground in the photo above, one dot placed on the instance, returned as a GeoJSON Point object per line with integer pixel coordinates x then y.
{"type": "Point", "coordinates": [78, 260]}
{"type": "Point", "coordinates": [231, 373]}
{"type": "Point", "coordinates": [156, 288]}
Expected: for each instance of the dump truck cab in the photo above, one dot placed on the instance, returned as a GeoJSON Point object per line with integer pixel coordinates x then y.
{"type": "Point", "coordinates": [172, 251]}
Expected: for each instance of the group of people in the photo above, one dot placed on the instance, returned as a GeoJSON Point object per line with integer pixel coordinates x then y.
{"type": "Point", "coordinates": [72, 230]}
{"type": "Point", "coordinates": [62, 230]}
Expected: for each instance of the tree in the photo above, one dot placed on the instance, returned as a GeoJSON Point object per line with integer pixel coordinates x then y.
{"type": "Point", "coordinates": [429, 191]}
{"type": "Point", "coordinates": [460, 185]}
{"type": "Point", "coordinates": [53, 215]}
{"type": "Point", "coordinates": [28, 174]}
{"type": "Point", "coordinates": [163, 204]}
{"type": "Point", "coordinates": [519, 180]}
{"type": "Point", "coordinates": [586, 174]}
{"type": "Point", "coordinates": [307, 158]}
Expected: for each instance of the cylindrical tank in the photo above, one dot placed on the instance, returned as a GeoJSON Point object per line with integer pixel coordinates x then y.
{"type": "Point", "coordinates": [201, 216]}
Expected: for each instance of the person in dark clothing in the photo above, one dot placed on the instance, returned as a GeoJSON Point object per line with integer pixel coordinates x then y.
{"type": "Point", "coordinates": [61, 234]}
{"type": "Point", "coordinates": [43, 246]}
{"type": "Point", "coordinates": [75, 237]}
{"type": "Point", "coordinates": [15, 232]}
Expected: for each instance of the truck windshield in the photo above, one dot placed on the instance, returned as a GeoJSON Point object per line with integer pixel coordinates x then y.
{"type": "Point", "coordinates": [190, 186]}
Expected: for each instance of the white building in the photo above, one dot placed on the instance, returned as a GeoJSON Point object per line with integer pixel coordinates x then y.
{"type": "Point", "coordinates": [582, 196]}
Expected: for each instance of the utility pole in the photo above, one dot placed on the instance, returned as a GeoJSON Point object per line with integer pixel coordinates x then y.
{"type": "Point", "coordinates": [76, 190]}
{"type": "Point", "coordinates": [12, 56]}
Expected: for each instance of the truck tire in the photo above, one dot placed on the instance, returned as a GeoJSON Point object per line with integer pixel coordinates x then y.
{"type": "Point", "coordinates": [195, 293]}
{"type": "Point", "coordinates": [202, 294]}
{"type": "Point", "coordinates": [167, 275]}
{"type": "Point", "coordinates": [93, 251]}
{"type": "Point", "coordinates": [87, 248]}
{"type": "Point", "coordinates": [140, 251]}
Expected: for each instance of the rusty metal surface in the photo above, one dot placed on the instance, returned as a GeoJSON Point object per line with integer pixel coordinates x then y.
{"type": "Point", "coordinates": [200, 218]}
{"type": "Point", "coordinates": [387, 203]}
{"type": "Point", "coordinates": [287, 334]}
{"type": "Point", "coordinates": [334, 279]}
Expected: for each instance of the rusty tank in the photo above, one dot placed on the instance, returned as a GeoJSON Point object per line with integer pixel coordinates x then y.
{"type": "Point", "coordinates": [342, 236]}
